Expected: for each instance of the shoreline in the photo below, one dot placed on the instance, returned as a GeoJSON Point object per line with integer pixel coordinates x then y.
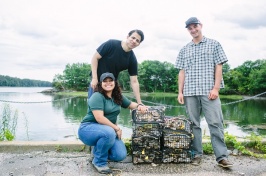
{"type": "Point", "coordinates": [71, 158]}
{"type": "Point", "coordinates": [27, 146]}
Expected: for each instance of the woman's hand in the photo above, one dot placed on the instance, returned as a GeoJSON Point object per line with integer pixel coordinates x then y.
{"type": "Point", "coordinates": [142, 108]}
{"type": "Point", "coordinates": [119, 133]}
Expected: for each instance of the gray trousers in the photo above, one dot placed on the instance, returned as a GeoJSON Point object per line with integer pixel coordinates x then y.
{"type": "Point", "coordinates": [214, 117]}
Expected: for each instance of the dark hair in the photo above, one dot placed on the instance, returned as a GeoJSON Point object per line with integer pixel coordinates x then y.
{"type": "Point", "coordinates": [116, 94]}
{"type": "Point", "coordinates": [138, 32]}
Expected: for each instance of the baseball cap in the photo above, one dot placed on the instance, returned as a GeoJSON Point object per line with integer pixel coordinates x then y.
{"type": "Point", "coordinates": [192, 20]}
{"type": "Point", "coordinates": [107, 75]}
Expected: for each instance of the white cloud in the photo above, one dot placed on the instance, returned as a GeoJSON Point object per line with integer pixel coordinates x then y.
{"type": "Point", "coordinates": [38, 38]}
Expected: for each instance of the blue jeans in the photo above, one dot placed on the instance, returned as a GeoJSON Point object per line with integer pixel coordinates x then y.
{"type": "Point", "coordinates": [105, 142]}
{"type": "Point", "coordinates": [90, 91]}
{"type": "Point", "coordinates": [214, 117]}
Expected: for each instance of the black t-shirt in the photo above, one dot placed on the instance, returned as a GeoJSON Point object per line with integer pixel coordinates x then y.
{"type": "Point", "coordinates": [115, 59]}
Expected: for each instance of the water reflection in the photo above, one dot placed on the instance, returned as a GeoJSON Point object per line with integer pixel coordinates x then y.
{"type": "Point", "coordinates": [59, 117]}
{"type": "Point", "coordinates": [74, 109]}
{"type": "Point", "coordinates": [240, 119]}
{"type": "Point", "coordinates": [250, 115]}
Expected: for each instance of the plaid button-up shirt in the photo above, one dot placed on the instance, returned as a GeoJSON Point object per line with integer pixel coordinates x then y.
{"type": "Point", "coordinates": [199, 61]}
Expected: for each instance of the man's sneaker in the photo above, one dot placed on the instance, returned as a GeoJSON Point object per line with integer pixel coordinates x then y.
{"type": "Point", "coordinates": [196, 161]}
{"type": "Point", "coordinates": [225, 163]}
{"type": "Point", "coordinates": [102, 170]}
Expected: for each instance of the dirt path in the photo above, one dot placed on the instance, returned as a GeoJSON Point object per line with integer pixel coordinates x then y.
{"type": "Point", "coordinates": [51, 163]}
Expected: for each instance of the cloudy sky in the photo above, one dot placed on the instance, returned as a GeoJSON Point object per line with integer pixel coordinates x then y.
{"type": "Point", "coordinates": [39, 37]}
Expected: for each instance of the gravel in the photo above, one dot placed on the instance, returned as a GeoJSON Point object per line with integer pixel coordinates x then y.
{"type": "Point", "coordinates": [52, 163]}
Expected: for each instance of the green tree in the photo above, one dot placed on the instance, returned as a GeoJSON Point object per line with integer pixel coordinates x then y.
{"type": "Point", "coordinates": [226, 68]}
{"type": "Point", "coordinates": [59, 82]}
{"type": "Point", "coordinates": [150, 75]}
{"type": "Point", "coordinates": [157, 76]}
{"type": "Point", "coordinates": [232, 85]}
{"type": "Point", "coordinates": [257, 80]}
{"type": "Point", "coordinates": [245, 79]}
{"type": "Point", "coordinates": [124, 80]}
{"type": "Point", "coordinates": [17, 82]}
{"type": "Point", "coordinates": [245, 69]}
{"type": "Point", "coordinates": [169, 77]}
{"type": "Point", "coordinates": [76, 76]}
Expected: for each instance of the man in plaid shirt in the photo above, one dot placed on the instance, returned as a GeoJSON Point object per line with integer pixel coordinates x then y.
{"type": "Point", "coordinates": [199, 81]}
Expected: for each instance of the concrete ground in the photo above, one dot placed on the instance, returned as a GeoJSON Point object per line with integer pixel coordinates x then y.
{"type": "Point", "coordinates": [72, 159]}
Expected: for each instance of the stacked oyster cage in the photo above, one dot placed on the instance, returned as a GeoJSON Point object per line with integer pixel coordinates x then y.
{"type": "Point", "coordinates": [160, 139]}
{"type": "Point", "coordinates": [177, 137]}
{"type": "Point", "coordinates": [147, 136]}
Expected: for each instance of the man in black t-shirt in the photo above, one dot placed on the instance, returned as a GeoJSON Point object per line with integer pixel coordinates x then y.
{"type": "Point", "coordinates": [115, 56]}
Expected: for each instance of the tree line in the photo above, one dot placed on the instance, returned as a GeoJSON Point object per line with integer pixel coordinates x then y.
{"type": "Point", "coordinates": [7, 81]}
{"type": "Point", "coordinates": [155, 76]}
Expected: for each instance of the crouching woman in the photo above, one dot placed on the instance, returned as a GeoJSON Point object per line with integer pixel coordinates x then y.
{"type": "Point", "coordinates": [99, 127]}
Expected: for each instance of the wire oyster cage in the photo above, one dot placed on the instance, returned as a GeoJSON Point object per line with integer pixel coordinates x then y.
{"type": "Point", "coordinates": [173, 139]}
{"type": "Point", "coordinates": [146, 149]}
{"type": "Point", "coordinates": [158, 138]}
{"type": "Point", "coordinates": [145, 129]}
{"type": "Point", "coordinates": [171, 155]}
{"type": "Point", "coordinates": [152, 115]}
{"type": "Point", "coordinates": [178, 123]}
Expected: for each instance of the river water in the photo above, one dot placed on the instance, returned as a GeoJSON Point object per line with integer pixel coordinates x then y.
{"type": "Point", "coordinates": [44, 117]}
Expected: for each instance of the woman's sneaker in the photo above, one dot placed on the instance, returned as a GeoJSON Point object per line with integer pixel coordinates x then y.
{"type": "Point", "coordinates": [102, 170]}
{"type": "Point", "coordinates": [91, 155]}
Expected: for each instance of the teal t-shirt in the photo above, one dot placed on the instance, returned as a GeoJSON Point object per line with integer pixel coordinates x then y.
{"type": "Point", "coordinates": [110, 109]}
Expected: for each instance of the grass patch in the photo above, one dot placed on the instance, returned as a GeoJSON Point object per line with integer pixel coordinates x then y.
{"type": "Point", "coordinates": [73, 93]}
{"type": "Point", "coordinates": [232, 97]}
{"type": "Point", "coordinates": [160, 94]}
{"type": "Point", "coordinates": [143, 94]}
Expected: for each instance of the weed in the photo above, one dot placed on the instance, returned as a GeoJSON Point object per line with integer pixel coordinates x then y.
{"type": "Point", "coordinates": [8, 120]}
{"type": "Point", "coordinates": [128, 145]}
{"type": "Point", "coordinates": [256, 143]}
{"type": "Point", "coordinates": [58, 148]}
{"type": "Point", "coordinates": [9, 135]}
{"type": "Point", "coordinates": [245, 148]}
{"type": "Point", "coordinates": [207, 148]}
{"type": "Point", "coordinates": [26, 125]}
